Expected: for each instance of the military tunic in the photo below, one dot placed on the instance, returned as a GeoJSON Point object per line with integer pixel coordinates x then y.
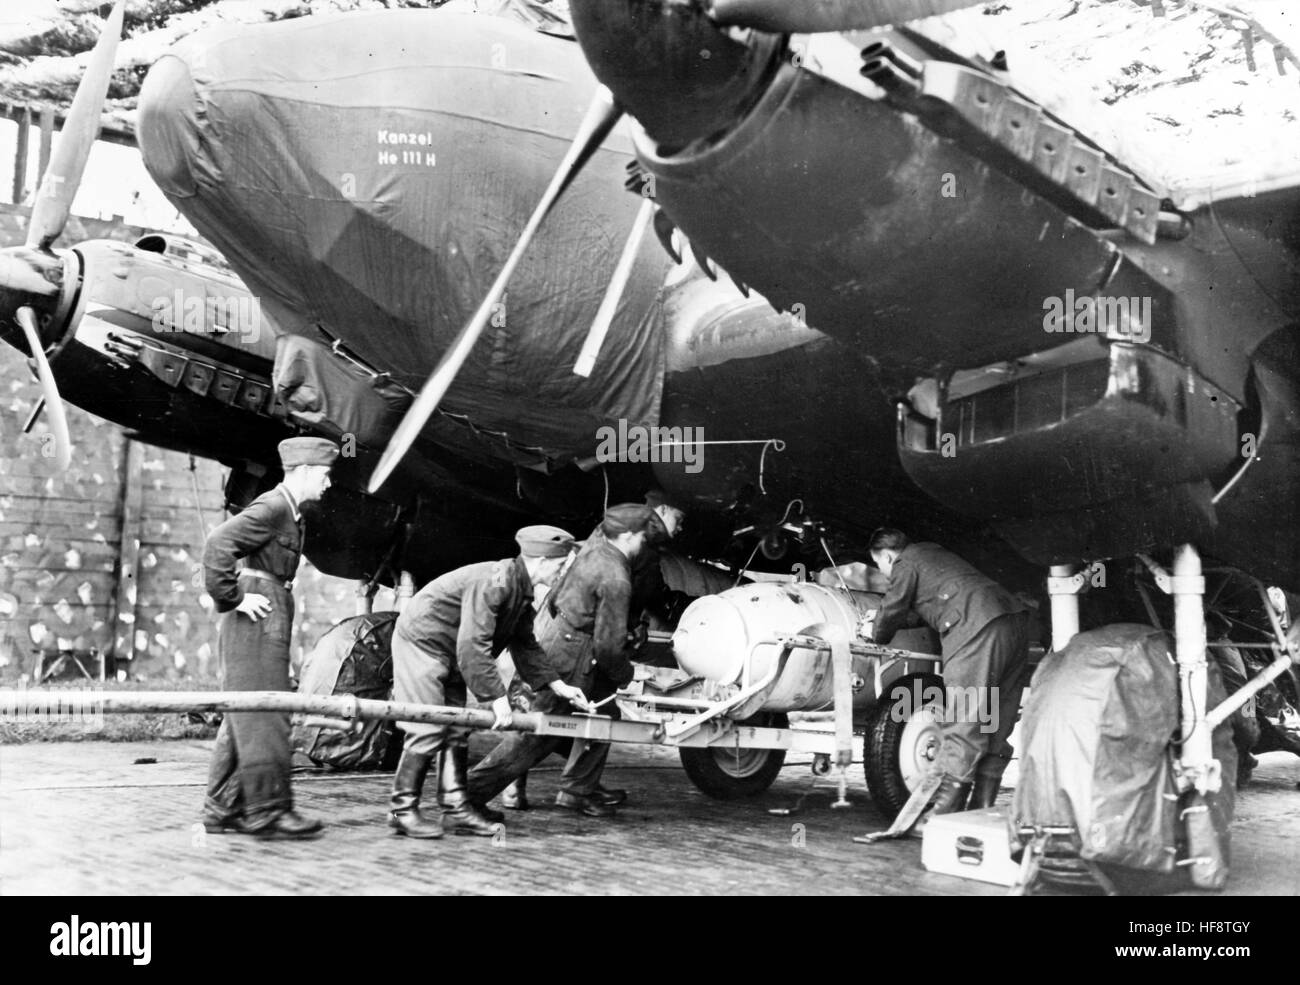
{"type": "Point", "coordinates": [591, 606]}
{"type": "Point", "coordinates": [586, 633]}
{"type": "Point", "coordinates": [647, 584]}
{"type": "Point", "coordinates": [249, 773]}
{"type": "Point", "coordinates": [984, 631]}
{"type": "Point", "coordinates": [646, 576]}
{"type": "Point", "coordinates": [448, 637]}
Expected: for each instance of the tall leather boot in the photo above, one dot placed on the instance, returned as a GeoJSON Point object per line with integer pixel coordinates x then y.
{"type": "Point", "coordinates": [950, 798]}
{"type": "Point", "coordinates": [458, 811]}
{"type": "Point", "coordinates": [988, 781]}
{"type": "Point", "coordinates": [404, 815]}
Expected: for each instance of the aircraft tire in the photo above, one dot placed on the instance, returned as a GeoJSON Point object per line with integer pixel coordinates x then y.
{"type": "Point", "coordinates": [901, 742]}
{"type": "Point", "coordinates": [731, 774]}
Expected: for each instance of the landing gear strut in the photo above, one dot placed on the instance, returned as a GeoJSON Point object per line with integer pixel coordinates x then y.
{"type": "Point", "coordinates": [1063, 588]}
{"type": "Point", "coordinates": [1197, 773]}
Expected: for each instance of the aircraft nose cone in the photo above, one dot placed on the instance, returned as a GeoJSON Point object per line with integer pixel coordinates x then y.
{"type": "Point", "coordinates": [671, 67]}
{"type": "Point", "coordinates": [176, 157]}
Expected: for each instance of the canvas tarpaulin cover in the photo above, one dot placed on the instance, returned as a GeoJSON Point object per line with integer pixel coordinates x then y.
{"type": "Point", "coordinates": [1096, 748]}
{"type": "Point", "coordinates": [353, 657]}
{"type": "Point", "coordinates": [367, 176]}
{"type": "Point", "coordinates": [334, 397]}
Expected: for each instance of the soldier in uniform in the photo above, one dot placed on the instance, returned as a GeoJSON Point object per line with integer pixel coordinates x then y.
{"type": "Point", "coordinates": [586, 635]}
{"type": "Point", "coordinates": [647, 585]}
{"type": "Point", "coordinates": [447, 640]}
{"type": "Point", "coordinates": [985, 639]}
{"type": "Point", "coordinates": [248, 780]}
{"type": "Point", "coordinates": [647, 576]}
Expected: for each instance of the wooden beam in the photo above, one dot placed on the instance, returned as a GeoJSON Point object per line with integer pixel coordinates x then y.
{"type": "Point", "coordinates": [113, 133]}
{"type": "Point", "coordinates": [20, 155]}
{"type": "Point", "coordinates": [128, 553]}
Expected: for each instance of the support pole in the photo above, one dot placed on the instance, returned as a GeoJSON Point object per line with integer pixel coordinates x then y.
{"type": "Point", "coordinates": [344, 711]}
{"type": "Point", "coordinates": [1198, 771]}
{"type": "Point", "coordinates": [128, 552]}
{"type": "Point", "coordinates": [842, 688]}
{"type": "Point", "coordinates": [1197, 762]}
{"type": "Point", "coordinates": [366, 597]}
{"type": "Point", "coordinates": [1242, 695]}
{"type": "Point", "coordinates": [342, 708]}
{"type": "Point", "coordinates": [1063, 587]}
{"type": "Point", "coordinates": [405, 590]}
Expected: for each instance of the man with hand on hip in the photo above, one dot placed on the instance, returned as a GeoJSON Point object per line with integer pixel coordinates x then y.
{"type": "Point", "coordinates": [248, 779]}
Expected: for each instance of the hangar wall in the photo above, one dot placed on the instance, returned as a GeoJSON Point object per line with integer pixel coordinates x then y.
{"type": "Point", "coordinates": [62, 551]}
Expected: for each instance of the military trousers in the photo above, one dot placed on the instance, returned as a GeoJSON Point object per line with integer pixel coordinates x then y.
{"type": "Point", "coordinates": [983, 681]}
{"type": "Point", "coordinates": [570, 653]}
{"type": "Point", "coordinates": [249, 773]}
{"type": "Point", "coordinates": [426, 676]}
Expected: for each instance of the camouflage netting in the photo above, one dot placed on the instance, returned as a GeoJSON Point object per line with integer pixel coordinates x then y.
{"type": "Point", "coordinates": [42, 48]}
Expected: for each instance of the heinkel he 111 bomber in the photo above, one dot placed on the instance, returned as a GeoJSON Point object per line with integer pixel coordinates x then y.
{"type": "Point", "coordinates": [843, 271]}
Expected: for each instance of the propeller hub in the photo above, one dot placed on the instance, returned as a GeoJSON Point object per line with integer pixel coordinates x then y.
{"type": "Point", "coordinates": [33, 279]}
{"type": "Point", "coordinates": [672, 67]}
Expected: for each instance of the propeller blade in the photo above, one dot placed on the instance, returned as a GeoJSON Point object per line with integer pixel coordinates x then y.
{"type": "Point", "coordinates": [63, 175]}
{"type": "Point", "coordinates": [813, 16]}
{"type": "Point", "coordinates": [614, 292]}
{"type": "Point", "coordinates": [19, 271]}
{"type": "Point", "coordinates": [26, 317]}
{"type": "Point", "coordinates": [601, 117]}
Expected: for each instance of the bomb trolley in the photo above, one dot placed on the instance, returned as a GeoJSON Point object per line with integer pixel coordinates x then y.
{"type": "Point", "coordinates": [733, 738]}
{"type": "Point", "coordinates": [723, 755]}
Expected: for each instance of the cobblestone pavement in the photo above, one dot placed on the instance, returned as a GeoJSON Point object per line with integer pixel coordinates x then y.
{"type": "Point", "coordinates": [118, 818]}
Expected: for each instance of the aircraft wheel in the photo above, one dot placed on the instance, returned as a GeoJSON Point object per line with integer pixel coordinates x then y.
{"type": "Point", "coordinates": [903, 739]}
{"type": "Point", "coordinates": [733, 774]}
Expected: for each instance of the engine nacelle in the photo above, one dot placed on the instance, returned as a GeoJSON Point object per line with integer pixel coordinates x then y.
{"type": "Point", "coordinates": [730, 640]}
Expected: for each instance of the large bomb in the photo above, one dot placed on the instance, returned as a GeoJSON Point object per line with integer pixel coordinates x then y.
{"type": "Point", "coordinates": [733, 640]}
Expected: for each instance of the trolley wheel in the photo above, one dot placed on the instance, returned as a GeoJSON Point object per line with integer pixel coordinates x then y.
{"type": "Point", "coordinates": [733, 774]}
{"type": "Point", "coordinates": [903, 739]}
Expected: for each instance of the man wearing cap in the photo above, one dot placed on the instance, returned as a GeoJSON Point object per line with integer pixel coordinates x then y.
{"type": "Point", "coordinates": [446, 641]}
{"type": "Point", "coordinates": [647, 585]}
{"type": "Point", "coordinates": [665, 520]}
{"type": "Point", "coordinates": [647, 576]}
{"type": "Point", "coordinates": [248, 779]}
{"type": "Point", "coordinates": [586, 634]}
